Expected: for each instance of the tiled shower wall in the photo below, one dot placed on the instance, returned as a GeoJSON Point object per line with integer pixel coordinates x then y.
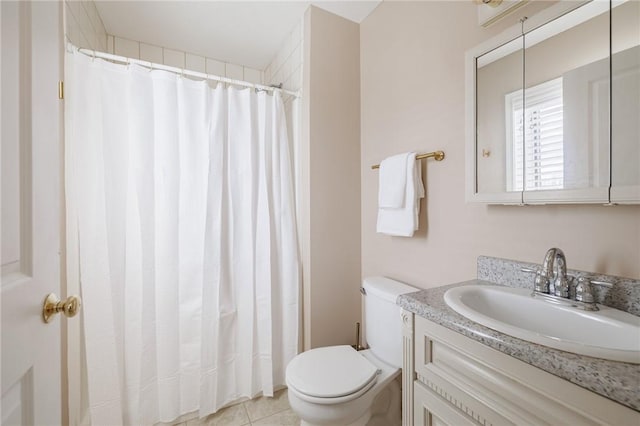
{"type": "Point", "coordinates": [286, 66]}
{"type": "Point", "coordinates": [179, 59]}
{"type": "Point", "coordinates": [83, 26]}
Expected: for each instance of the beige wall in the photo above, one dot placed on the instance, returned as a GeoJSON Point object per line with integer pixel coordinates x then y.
{"type": "Point", "coordinates": [412, 85]}
{"type": "Point", "coordinates": [330, 176]}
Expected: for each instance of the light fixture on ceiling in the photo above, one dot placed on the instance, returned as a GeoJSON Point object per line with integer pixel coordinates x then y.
{"type": "Point", "coordinates": [491, 11]}
{"type": "Point", "coordinates": [491, 3]}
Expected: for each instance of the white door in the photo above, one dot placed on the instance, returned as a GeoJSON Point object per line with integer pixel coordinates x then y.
{"type": "Point", "coordinates": [31, 210]}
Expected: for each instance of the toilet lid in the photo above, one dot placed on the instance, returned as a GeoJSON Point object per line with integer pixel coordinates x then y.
{"type": "Point", "coordinates": [330, 372]}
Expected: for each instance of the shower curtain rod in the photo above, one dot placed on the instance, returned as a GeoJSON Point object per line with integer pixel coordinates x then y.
{"type": "Point", "coordinates": [180, 71]}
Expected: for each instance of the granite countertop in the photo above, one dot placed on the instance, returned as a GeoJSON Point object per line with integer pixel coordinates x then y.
{"type": "Point", "coordinates": [618, 381]}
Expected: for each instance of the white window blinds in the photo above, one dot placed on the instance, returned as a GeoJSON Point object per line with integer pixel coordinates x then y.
{"type": "Point", "coordinates": [535, 138]}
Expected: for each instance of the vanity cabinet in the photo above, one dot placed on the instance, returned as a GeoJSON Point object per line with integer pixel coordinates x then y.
{"type": "Point", "coordinates": [450, 379]}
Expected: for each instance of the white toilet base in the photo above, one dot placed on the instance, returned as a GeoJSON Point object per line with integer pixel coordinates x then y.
{"type": "Point", "coordinates": [362, 421]}
{"type": "Point", "coordinates": [381, 406]}
{"type": "Point", "coordinates": [332, 387]}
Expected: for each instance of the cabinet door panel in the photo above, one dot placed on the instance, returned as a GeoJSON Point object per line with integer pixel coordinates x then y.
{"type": "Point", "coordinates": [493, 388]}
{"type": "Point", "coordinates": [432, 410]}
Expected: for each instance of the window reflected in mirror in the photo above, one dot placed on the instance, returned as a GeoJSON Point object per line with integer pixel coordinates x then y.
{"type": "Point", "coordinates": [535, 138]}
{"type": "Point", "coordinates": [567, 98]}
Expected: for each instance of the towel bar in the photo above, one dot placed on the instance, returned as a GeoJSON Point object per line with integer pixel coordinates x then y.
{"type": "Point", "coordinates": [437, 155]}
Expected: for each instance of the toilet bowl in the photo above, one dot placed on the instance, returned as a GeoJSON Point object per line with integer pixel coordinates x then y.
{"type": "Point", "coordinates": [337, 385]}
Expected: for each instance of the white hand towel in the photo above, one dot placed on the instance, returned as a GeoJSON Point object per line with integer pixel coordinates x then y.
{"type": "Point", "coordinates": [403, 221]}
{"type": "Point", "coordinates": [392, 181]}
{"type": "Point", "coordinates": [417, 178]}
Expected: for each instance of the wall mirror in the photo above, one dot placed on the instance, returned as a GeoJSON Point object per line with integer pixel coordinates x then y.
{"type": "Point", "coordinates": [552, 108]}
{"type": "Point", "coordinates": [625, 102]}
{"type": "Point", "coordinates": [498, 76]}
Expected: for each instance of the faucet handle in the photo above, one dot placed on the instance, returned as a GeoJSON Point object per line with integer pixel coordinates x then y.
{"type": "Point", "coordinates": [602, 283]}
{"type": "Point", "coordinates": [561, 286]}
{"type": "Point", "coordinates": [584, 291]}
{"type": "Point", "coordinates": [541, 283]}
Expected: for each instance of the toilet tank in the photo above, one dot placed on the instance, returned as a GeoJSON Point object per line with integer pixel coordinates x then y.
{"type": "Point", "coordinates": [383, 324]}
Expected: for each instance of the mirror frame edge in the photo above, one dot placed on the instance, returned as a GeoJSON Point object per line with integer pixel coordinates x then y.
{"type": "Point", "coordinates": [471, 193]}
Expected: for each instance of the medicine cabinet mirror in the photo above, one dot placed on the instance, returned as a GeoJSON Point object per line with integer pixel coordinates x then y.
{"type": "Point", "coordinates": [553, 112]}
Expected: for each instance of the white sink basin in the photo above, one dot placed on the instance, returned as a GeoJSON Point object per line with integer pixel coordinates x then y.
{"type": "Point", "coordinates": [608, 333]}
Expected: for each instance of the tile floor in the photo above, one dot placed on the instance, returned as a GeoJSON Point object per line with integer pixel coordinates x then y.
{"type": "Point", "coordinates": [261, 411]}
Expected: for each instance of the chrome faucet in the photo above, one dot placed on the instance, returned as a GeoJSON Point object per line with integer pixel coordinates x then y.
{"type": "Point", "coordinates": [552, 283]}
{"type": "Point", "coordinates": [552, 277]}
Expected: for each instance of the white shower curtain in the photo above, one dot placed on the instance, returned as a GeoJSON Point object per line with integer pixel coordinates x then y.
{"type": "Point", "coordinates": [181, 235]}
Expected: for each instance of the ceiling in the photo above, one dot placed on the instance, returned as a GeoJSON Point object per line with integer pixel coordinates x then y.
{"type": "Point", "coordinates": [247, 33]}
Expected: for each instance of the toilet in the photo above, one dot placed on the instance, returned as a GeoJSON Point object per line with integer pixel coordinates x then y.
{"type": "Point", "coordinates": [337, 385]}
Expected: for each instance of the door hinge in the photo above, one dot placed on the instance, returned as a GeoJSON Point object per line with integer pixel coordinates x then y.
{"type": "Point", "coordinates": [61, 90]}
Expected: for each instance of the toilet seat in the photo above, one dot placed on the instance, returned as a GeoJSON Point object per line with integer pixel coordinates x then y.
{"type": "Point", "coordinates": [331, 375]}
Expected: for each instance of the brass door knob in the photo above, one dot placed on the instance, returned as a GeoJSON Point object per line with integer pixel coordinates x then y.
{"type": "Point", "coordinates": [53, 305]}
